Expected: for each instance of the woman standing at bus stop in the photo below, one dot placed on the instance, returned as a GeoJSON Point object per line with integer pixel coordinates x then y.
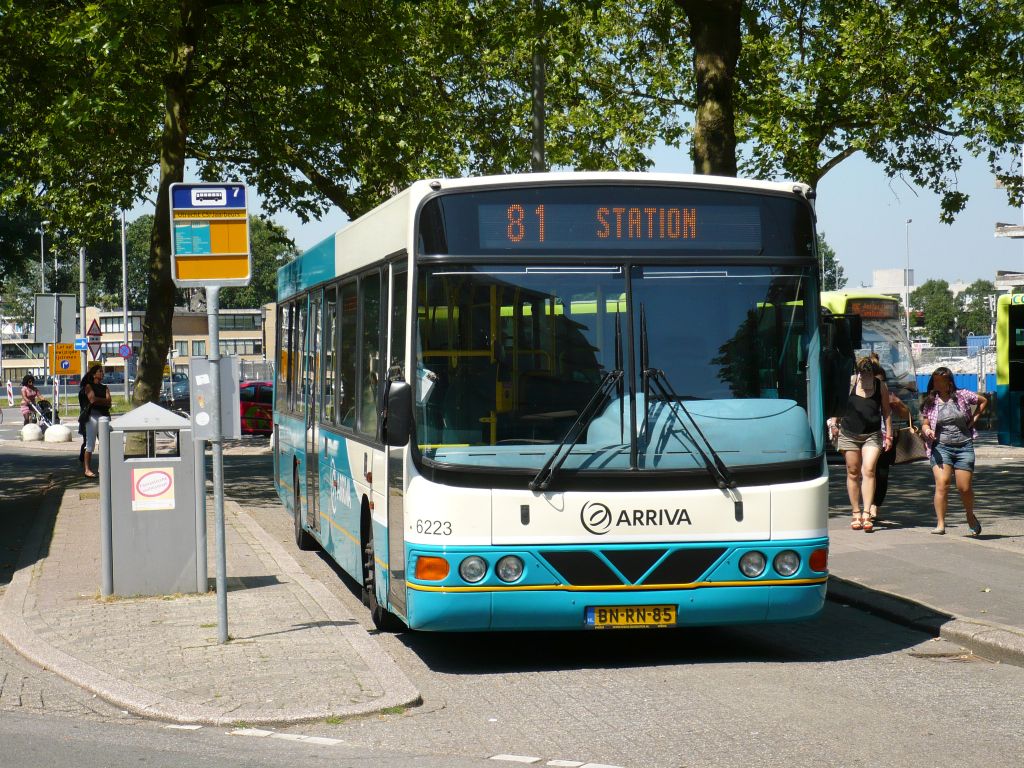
{"type": "Point", "coordinates": [94, 399]}
{"type": "Point", "coordinates": [864, 432]}
{"type": "Point", "coordinates": [947, 426]}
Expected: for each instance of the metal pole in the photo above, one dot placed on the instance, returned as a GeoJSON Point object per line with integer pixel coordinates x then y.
{"type": "Point", "coordinates": [56, 333]}
{"type": "Point", "coordinates": [81, 305]}
{"type": "Point", "coordinates": [106, 511]}
{"type": "Point", "coordinates": [212, 308]}
{"type": "Point", "coordinates": [199, 464]}
{"type": "Point", "coordinates": [906, 279]}
{"type": "Point", "coordinates": [42, 256]}
{"type": "Point", "coordinates": [124, 300]}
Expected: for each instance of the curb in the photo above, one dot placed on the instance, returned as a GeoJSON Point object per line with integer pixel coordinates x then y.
{"type": "Point", "coordinates": [398, 690]}
{"type": "Point", "coordinates": [993, 642]}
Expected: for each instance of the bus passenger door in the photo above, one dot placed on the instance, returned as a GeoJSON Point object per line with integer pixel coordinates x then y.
{"type": "Point", "coordinates": [314, 339]}
{"type": "Point", "coordinates": [396, 371]}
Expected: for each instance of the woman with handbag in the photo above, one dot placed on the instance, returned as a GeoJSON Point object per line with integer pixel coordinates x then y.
{"type": "Point", "coordinates": [947, 425]}
{"type": "Point", "coordinates": [864, 432]}
{"type": "Point", "coordinates": [888, 457]}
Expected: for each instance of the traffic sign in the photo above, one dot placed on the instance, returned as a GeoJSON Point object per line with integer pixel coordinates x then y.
{"type": "Point", "coordinates": [210, 235]}
{"type": "Point", "coordinates": [124, 351]}
{"type": "Point", "coordinates": [65, 360]}
{"type": "Point", "coordinates": [81, 344]}
{"type": "Point", "coordinates": [94, 349]}
{"type": "Point", "coordinates": [94, 329]}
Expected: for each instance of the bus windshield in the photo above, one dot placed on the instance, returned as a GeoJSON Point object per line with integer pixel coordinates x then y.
{"type": "Point", "coordinates": [888, 339]}
{"type": "Point", "coordinates": [509, 354]}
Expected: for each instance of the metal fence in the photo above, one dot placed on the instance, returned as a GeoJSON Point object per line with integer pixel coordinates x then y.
{"type": "Point", "coordinates": [257, 370]}
{"type": "Point", "coordinates": [979, 360]}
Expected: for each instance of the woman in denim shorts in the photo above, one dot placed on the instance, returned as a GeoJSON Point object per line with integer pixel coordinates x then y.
{"type": "Point", "coordinates": [947, 425]}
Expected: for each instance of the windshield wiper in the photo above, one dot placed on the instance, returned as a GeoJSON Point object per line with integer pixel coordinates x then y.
{"type": "Point", "coordinates": [711, 459]}
{"type": "Point", "coordinates": [543, 478]}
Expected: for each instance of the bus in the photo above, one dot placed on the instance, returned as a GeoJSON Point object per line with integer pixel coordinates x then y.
{"type": "Point", "coordinates": [1010, 368]}
{"type": "Point", "coordinates": [561, 401]}
{"type": "Point", "coordinates": [883, 332]}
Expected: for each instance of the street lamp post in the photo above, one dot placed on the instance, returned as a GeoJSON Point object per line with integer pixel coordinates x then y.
{"type": "Point", "coordinates": [906, 279]}
{"type": "Point", "coordinates": [124, 298]}
{"type": "Point", "coordinates": [42, 255]}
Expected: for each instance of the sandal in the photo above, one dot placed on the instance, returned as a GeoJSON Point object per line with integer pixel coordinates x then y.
{"type": "Point", "coordinates": [873, 511]}
{"type": "Point", "coordinates": [867, 525]}
{"type": "Point", "coordinates": [976, 527]}
{"type": "Point", "coordinates": [938, 531]}
{"type": "Point", "coordinates": [856, 524]}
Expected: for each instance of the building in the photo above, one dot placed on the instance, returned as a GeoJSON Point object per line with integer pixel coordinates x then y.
{"type": "Point", "coordinates": [243, 333]}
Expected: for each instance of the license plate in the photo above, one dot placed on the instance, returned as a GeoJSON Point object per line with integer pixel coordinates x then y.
{"type": "Point", "coordinates": [623, 616]}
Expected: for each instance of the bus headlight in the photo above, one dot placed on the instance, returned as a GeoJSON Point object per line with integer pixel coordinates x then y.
{"type": "Point", "coordinates": [786, 563]}
{"type": "Point", "coordinates": [509, 568]}
{"type": "Point", "coordinates": [752, 564]}
{"type": "Point", "coordinates": [473, 569]}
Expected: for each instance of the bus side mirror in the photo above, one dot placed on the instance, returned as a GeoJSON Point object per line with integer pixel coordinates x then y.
{"type": "Point", "coordinates": [398, 416]}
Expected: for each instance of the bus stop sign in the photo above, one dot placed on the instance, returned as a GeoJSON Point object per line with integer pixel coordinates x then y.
{"type": "Point", "coordinates": [210, 235]}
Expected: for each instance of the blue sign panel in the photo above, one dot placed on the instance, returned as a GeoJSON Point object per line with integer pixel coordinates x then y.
{"type": "Point", "coordinates": [81, 344]}
{"type": "Point", "coordinates": [207, 196]}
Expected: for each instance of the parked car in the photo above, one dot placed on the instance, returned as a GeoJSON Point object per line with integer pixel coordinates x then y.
{"type": "Point", "coordinates": [256, 402]}
{"type": "Point", "coordinates": [174, 392]}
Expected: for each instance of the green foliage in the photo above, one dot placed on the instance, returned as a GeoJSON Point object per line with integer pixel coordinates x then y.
{"type": "Point", "coordinates": [911, 84]}
{"type": "Point", "coordinates": [975, 311]}
{"type": "Point", "coordinates": [833, 277]}
{"type": "Point", "coordinates": [934, 298]}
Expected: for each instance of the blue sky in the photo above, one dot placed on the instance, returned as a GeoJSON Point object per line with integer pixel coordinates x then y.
{"type": "Point", "coordinates": [863, 215]}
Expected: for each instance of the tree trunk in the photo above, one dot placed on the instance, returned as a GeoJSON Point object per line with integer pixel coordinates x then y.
{"type": "Point", "coordinates": [715, 38]}
{"type": "Point", "coordinates": [538, 162]}
{"type": "Point", "coordinates": [156, 327]}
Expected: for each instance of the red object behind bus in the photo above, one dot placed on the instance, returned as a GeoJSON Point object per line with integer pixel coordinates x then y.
{"type": "Point", "coordinates": [256, 401]}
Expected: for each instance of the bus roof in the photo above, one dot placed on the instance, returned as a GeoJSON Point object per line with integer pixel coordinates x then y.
{"type": "Point", "coordinates": [393, 218]}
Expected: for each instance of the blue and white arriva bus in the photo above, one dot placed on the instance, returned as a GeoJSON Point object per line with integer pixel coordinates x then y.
{"type": "Point", "coordinates": [561, 401]}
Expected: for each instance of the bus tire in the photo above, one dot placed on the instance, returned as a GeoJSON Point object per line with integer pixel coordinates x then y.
{"type": "Point", "coordinates": [303, 539]}
{"type": "Point", "coordinates": [383, 619]}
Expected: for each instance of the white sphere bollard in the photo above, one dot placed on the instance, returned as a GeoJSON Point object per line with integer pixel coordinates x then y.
{"type": "Point", "coordinates": [31, 433]}
{"type": "Point", "coordinates": [58, 433]}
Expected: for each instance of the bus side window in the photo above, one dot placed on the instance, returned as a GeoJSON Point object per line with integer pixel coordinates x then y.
{"type": "Point", "coordinates": [347, 355]}
{"type": "Point", "coordinates": [369, 347]}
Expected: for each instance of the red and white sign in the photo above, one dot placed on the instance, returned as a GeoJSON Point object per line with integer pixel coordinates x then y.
{"type": "Point", "coordinates": [94, 334]}
{"type": "Point", "coordinates": [10, 395]}
{"type": "Point", "coordinates": [152, 488]}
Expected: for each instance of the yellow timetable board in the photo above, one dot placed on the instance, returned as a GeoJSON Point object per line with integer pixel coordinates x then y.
{"type": "Point", "coordinates": [210, 235]}
{"type": "Point", "coordinates": [65, 360]}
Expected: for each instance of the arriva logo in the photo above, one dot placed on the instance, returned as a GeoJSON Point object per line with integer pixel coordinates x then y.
{"type": "Point", "coordinates": [598, 518]}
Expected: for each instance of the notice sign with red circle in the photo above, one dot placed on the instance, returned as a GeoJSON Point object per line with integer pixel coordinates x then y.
{"type": "Point", "coordinates": [152, 488]}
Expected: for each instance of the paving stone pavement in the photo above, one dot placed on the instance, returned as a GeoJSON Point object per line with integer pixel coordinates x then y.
{"type": "Point", "coordinates": [295, 652]}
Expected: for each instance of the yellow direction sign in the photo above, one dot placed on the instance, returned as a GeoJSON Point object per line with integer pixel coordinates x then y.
{"type": "Point", "coordinates": [65, 360]}
{"type": "Point", "coordinates": [210, 235]}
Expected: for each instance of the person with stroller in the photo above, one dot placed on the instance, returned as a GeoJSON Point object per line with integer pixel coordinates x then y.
{"type": "Point", "coordinates": [29, 395]}
{"type": "Point", "coordinates": [94, 400]}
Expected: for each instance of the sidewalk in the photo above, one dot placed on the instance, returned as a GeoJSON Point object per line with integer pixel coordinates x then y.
{"type": "Point", "coordinates": [296, 653]}
{"type": "Point", "coordinates": [966, 590]}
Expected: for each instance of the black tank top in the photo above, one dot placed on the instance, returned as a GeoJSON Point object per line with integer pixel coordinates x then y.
{"type": "Point", "coordinates": [863, 414]}
{"type": "Point", "coordinates": [100, 390]}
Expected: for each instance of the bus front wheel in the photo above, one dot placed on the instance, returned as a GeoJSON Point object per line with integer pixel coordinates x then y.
{"type": "Point", "coordinates": [383, 619]}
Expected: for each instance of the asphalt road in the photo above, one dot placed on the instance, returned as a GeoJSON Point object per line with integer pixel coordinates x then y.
{"type": "Point", "coordinates": [846, 689]}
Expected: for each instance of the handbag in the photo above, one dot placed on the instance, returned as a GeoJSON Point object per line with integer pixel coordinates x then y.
{"type": "Point", "coordinates": [910, 446]}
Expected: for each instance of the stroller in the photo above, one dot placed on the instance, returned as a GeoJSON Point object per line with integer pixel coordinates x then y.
{"type": "Point", "coordinates": [43, 415]}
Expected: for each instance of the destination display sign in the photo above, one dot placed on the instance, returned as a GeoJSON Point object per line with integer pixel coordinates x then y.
{"type": "Point", "coordinates": [658, 219]}
{"type": "Point", "coordinates": [873, 309]}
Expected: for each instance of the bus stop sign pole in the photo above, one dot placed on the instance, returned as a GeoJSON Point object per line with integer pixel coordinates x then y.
{"type": "Point", "coordinates": [217, 449]}
{"type": "Point", "coordinates": [210, 249]}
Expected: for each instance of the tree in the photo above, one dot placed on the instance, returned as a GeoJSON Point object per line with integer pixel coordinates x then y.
{"type": "Point", "coordinates": [313, 102]}
{"type": "Point", "coordinates": [833, 277]}
{"type": "Point", "coordinates": [912, 84]}
{"type": "Point", "coordinates": [934, 298]}
{"type": "Point", "coordinates": [975, 313]}
{"type": "Point", "coordinates": [271, 249]}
